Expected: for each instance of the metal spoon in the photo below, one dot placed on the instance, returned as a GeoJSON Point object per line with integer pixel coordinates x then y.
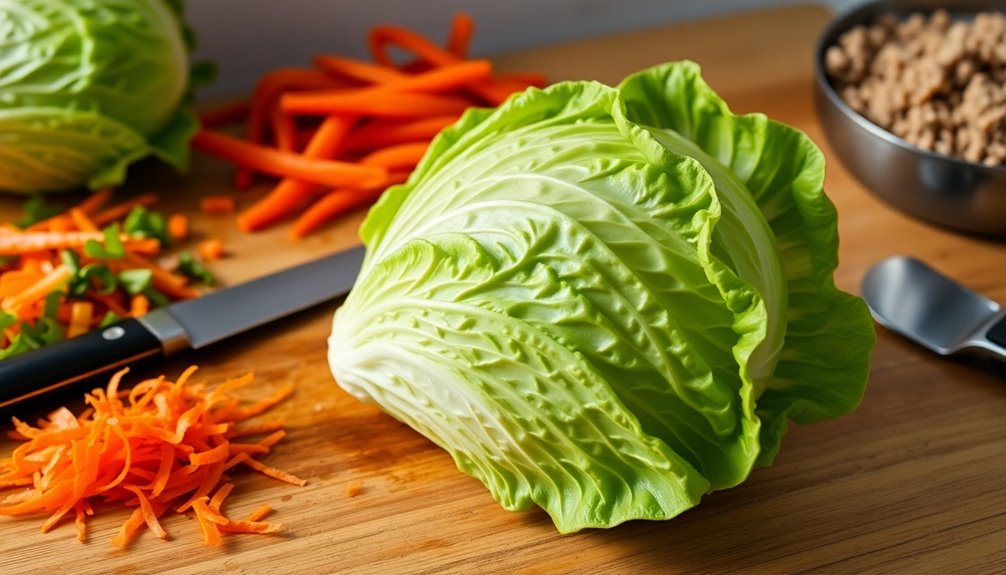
{"type": "Point", "coordinates": [910, 298]}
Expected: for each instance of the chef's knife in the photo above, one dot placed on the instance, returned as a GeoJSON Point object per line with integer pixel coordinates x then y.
{"type": "Point", "coordinates": [191, 324]}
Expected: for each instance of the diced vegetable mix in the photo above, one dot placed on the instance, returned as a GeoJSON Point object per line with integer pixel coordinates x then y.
{"type": "Point", "coordinates": [65, 272]}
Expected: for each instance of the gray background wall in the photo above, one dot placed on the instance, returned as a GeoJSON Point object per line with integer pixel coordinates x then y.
{"type": "Point", "coordinates": [247, 37]}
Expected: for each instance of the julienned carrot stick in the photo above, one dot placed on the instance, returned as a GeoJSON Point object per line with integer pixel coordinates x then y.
{"type": "Point", "coordinates": [381, 36]}
{"type": "Point", "coordinates": [95, 201]}
{"type": "Point", "coordinates": [338, 202]}
{"type": "Point", "coordinates": [328, 172]}
{"type": "Point", "coordinates": [290, 194]}
{"type": "Point", "coordinates": [357, 69]}
{"type": "Point", "coordinates": [460, 38]}
{"type": "Point", "coordinates": [49, 283]}
{"type": "Point", "coordinates": [29, 242]}
{"type": "Point", "coordinates": [397, 157]}
{"type": "Point", "coordinates": [80, 318]}
{"type": "Point", "coordinates": [331, 205]}
{"type": "Point", "coordinates": [284, 129]}
{"type": "Point", "coordinates": [269, 87]}
{"type": "Point", "coordinates": [378, 134]}
{"type": "Point", "coordinates": [383, 104]}
{"type": "Point", "coordinates": [119, 211]}
{"type": "Point", "coordinates": [442, 79]}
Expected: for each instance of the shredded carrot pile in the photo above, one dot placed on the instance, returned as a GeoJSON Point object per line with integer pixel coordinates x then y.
{"type": "Point", "coordinates": [66, 271]}
{"type": "Point", "coordinates": [157, 447]}
{"type": "Point", "coordinates": [340, 133]}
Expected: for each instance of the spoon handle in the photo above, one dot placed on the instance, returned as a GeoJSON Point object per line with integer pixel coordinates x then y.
{"type": "Point", "coordinates": [995, 339]}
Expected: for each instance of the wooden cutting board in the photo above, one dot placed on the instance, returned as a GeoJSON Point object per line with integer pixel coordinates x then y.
{"type": "Point", "coordinates": [912, 482]}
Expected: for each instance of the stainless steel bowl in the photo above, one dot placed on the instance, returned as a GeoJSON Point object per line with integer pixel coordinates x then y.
{"type": "Point", "coordinates": [937, 188]}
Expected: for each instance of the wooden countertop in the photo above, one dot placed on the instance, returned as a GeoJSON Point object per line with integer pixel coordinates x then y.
{"type": "Point", "coordinates": [912, 482]}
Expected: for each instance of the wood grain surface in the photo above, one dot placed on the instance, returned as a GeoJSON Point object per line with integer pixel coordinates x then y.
{"type": "Point", "coordinates": [913, 482]}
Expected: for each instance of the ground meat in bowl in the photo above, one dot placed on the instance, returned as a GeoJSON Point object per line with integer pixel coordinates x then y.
{"type": "Point", "coordinates": [937, 82]}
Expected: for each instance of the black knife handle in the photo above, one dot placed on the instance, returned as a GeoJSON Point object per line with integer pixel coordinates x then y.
{"type": "Point", "coordinates": [63, 365]}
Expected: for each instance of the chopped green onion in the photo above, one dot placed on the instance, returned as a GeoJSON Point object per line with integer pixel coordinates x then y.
{"type": "Point", "coordinates": [143, 223]}
{"type": "Point", "coordinates": [136, 281]}
{"type": "Point", "coordinates": [110, 249]}
{"type": "Point", "coordinates": [188, 266]}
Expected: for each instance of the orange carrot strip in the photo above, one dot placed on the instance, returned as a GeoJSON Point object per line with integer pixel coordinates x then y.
{"type": "Point", "coordinates": [217, 501]}
{"type": "Point", "coordinates": [139, 305]}
{"type": "Point", "coordinates": [95, 201]}
{"type": "Point", "coordinates": [460, 38]}
{"type": "Point", "coordinates": [234, 526]}
{"type": "Point", "coordinates": [210, 531]}
{"type": "Point", "coordinates": [260, 512]}
{"type": "Point", "coordinates": [31, 242]}
{"type": "Point", "coordinates": [80, 320]}
{"type": "Point", "coordinates": [357, 69]}
{"type": "Point", "coordinates": [218, 453]}
{"type": "Point", "coordinates": [379, 134]}
{"type": "Point", "coordinates": [388, 104]}
{"type": "Point", "coordinates": [397, 157]}
{"type": "Point", "coordinates": [129, 528]}
{"type": "Point", "coordinates": [211, 249]}
{"type": "Point", "coordinates": [268, 89]}
{"type": "Point", "coordinates": [249, 448]}
{"type": "Point", "coordinates": [271, 85]}
{"type": "Point", "coordinates": [333, 204]}
{"type": "Point", "coordinates": [284, 129]}
{"type": "Point", "coordinates": [163, 474]}
{"type": "Point", "coordinates": [119, 211]}
{"type": "Point", "coordinates": [217, 204]}
{"type": "Point", "coordinates": [55, 517]}
{"type": "Point", "coordinates": [285, 164]}
{"type": "Point", "coordinates": [264, 404]}
{"type": "Point", "coordinates": [89, 206]}
{"type": "Point", "coordinates": [382, 36]}
{"type": "Point", "coordinates": [80, 521]}
{"type": "Point", "coordinates": [49, 283]}
{"type": "Point", "coordinates": [336, 203]}
{"type": "Point", "coordinates": [254, 429]}
{"type": "Point", "coordinates": [387, 100]}
{"type": "Point", "coordinates": [83, 221]}
{"type": "Point", "coordinates": [178, 226]}
{"type": "Point", "coordinates": [273, 438]}
{"type": "Point", "coordinates": [290, 194]}
{"type": "Point", "coordinates": [274, 473]}
{"type": "Point", "coordinates": [230, 113]}
{"type": "Point", "coordinates": [147, 512]}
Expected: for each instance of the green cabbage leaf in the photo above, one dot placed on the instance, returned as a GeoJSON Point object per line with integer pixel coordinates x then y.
{"type": "Point", "coordinates": [606, 302]}
{"type": "Point", "coordinates": [87, 88]}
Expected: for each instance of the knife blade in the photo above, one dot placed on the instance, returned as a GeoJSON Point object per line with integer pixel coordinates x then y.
{"type": "Point", "coordinates": [191, 324]}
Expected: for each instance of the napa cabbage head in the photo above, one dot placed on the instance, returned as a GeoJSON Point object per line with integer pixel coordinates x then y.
{"type": "Point", "coordinates": [606, 301]}
{"type": "Point", "coordinates": [89, 87]}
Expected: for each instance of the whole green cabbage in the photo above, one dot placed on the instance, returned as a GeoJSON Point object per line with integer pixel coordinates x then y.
{"type": "Point", "coordinates": [88, 87]}
{"type": "Point", "coordinates": [606, 301]}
